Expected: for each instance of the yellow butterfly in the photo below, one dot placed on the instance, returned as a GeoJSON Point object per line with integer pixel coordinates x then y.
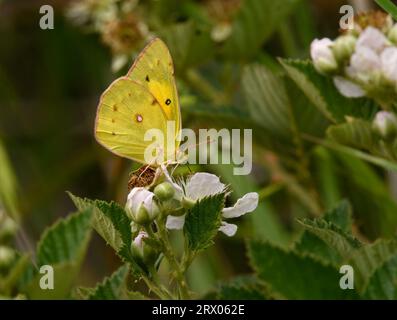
{"type": "Point", "coordinates": [146, 98]}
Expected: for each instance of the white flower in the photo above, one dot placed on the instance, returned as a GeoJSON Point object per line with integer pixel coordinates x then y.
{"type": "Point", "coordinates": [141, 206]}
{"type": "Point", "coordinates": [373, 39]}
{"type": "Point", "coordinates": [348, 88]}
{"type": "Point", "coordinates": [363, 62]}
{"type": "Point", "coordinates": [322, 55]}
{"type": "Point", "coordinates": [202, 185]}
{"type": "Point", "coordinates": [389, 63]}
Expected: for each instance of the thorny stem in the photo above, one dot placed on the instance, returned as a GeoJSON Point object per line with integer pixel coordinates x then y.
{"type": "Point", "coordinates": [178, 272]}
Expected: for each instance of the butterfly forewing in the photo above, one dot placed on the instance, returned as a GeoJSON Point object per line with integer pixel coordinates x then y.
{"type": "Point", "coordinates": [154, 70]}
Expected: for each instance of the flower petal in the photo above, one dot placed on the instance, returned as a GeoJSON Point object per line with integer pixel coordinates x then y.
{"type": "Point", "coordinates": [389, 63]}
{"type": "Point", "coordinates": [137, 196]}
{"type": "Point", "coordinates": [228, 228]}
{"type": "Point", "coordinates": [246, 204]}
{"type": "Point", "coordinates": [348, 88]}
{"type": "Point", "coordinates": [203, 184]}
{"type": "Point", "coordinates": [175, 223]}
{"type": "Point", "coordinates": [321, 49]}
{"type": "Point", "coordinates": [372, 38]}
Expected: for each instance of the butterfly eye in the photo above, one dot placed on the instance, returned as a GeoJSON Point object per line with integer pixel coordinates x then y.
{"type": "Point", "coordinates": [168, 102]}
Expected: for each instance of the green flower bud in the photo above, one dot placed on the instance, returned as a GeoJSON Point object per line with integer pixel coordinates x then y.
{"type": "Point", "coordinates": [8, 228]}
{"type": "Point", "coordinates": [187, 203]}
{"type": "Point", "coordinates": [385, 125]}
{"type": "Point", "coordinates": [392, 35]}
{"type": "Point", "coordinates": [344, 47]}
{"type": "Point", "coordinates": [7, 256]}
{"type": "Point", "coordinates": [164, 191]}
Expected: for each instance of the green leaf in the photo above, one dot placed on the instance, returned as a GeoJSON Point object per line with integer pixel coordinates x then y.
{"type": "Point", "coordinates": [62, 246]}
{"type": "Point", "coordinates": [254, 24]}
{"type": "Point", "coordinates": [203, 221]}
{"type": "Point", "coordinates": [267, 100]}
{"type": "Point", "coordinates": [323, 94]}
{"type": "Point", "coordinates": [356, 133]}
{"type": "Point", "coordinates": [334, 242]}
{"type": "Point", "coordinates": [332, 235]}
{"type": "Point", "coordinates": [312, 245]}
{"type": "Point", "coordinates": [375, 270]}
{"type": "Point", "coordinates": [295, 276]}
{"type": "Point", "coordinates": [111, 288]}
{"type": "Point", "coordinates": [111, 222]}
{"type": "Point", "coordinates": [241, 288]}
{"type": "Point", "coordinates": [362, 185]}
{"type": "Point", "coordinates": [388, 6]}
{"type": "Point", "coordinates": [277, 105]}
{"type": "Point", "coordinates": [341, 216]}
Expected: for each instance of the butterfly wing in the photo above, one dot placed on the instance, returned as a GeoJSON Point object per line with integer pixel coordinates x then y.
{"type": "Point", "coordinates": [154, 70]}
{"type": "Point", "coordinates": [126, 111]}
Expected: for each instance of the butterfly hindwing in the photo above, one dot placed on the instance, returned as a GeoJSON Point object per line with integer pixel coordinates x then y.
{"type": "Point", "coordinates": [125, 112]}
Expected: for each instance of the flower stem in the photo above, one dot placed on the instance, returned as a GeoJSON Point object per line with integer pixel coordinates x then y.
{"type": "Point", "coordinates": [178, 271]}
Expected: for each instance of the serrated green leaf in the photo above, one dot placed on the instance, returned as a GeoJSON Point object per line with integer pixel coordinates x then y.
{"type": "Point", "coordinates": [323, 94]}
{"type": "Point", "coordinates": [267, 100]}
{"type": "Point", "coordinates": [332, 235]}
{"type": "Point", "coordinates": [356, 133]}
{"type": "Point", "coordinates": [375, 270]}
{"type": "Point", "coordinates": [100, 222]}
{"type": "Point", "coordinates": [111, 288]}
{"type": "Point", "coordinates": [241, 288]}
{"type": "Point", "coordinates": [340, 215]}
{"type": "Point", "coordinates": [254, 24]}
{"type": "Point", "coordinates": [63, 247]}
{"type": "Point", "coordinates": [295, 276]}
{"type": "Point", "coordinates": [321, 243]}
{"type": "Point", "coordinates": [111, 222]}
{"type": "Point", "coordinates": [312, 245]}
{"type": "Point", "coordinates": [203, 221]}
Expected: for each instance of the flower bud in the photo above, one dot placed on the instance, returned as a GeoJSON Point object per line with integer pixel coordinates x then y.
{"type": "Point", "coordinates": [141, 206]}
{"type": "Point", "coordinates": [385, 125]}
{"type": "Point", "coordinates": [141, 251]}
{"type": "Point", "coordinates": [322, 55]}
{"type": "Point", "coordinates": [8, 228]}
{"type": "Point", "coordinates": [187, 203]}
{"type": "Point", "coordinates": [392, 35]}
{"type": "Point", "coordinates": [344, 47]}
{"type": "Point", "coordinates": [164, 191]}
{"type": "Point", "coordinates": [7, 256]}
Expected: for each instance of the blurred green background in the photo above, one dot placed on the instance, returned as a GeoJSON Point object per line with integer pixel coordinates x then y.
{"type": "Point", "coordinates": [51, 80]}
